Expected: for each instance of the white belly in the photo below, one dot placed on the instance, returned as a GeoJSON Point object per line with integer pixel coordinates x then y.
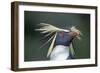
{"type": "Point", "coordinates": [60, 52]}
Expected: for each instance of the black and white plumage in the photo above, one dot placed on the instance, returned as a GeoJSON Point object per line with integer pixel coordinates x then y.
{"type": "Point", "coordinates": [61, 47]}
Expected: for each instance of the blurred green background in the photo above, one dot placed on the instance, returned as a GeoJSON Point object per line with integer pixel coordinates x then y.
{"type": "Point", "coordinates": [33, 39]}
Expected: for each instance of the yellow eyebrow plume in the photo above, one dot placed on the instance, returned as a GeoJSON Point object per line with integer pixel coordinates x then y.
{"type": "Point", "coordinates": [51, 46]}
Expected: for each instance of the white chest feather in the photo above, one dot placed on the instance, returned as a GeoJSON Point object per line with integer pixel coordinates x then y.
{"type": "Point", "coordinates": [60, 52]}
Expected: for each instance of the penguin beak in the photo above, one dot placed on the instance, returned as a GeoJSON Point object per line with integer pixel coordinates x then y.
{"type": "Point", "coordinates": [73, 28]}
